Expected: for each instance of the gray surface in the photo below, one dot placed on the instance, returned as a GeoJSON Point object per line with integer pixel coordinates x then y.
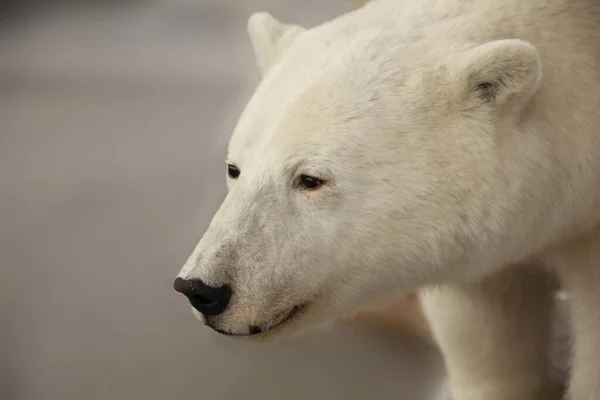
{"type": "Point", "coordinates": [112, 142]}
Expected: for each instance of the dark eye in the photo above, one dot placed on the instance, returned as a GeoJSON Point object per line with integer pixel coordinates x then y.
{"type": "Point", "coordinates": [310, 182]}
{"type": "Point", "coordinates": [233, 171]}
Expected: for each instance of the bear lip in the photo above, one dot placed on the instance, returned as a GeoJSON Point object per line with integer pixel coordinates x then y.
{"type": "Point", "coordinates": [282, 318]}
{"type": "Point", "coordinates": [286, 315]}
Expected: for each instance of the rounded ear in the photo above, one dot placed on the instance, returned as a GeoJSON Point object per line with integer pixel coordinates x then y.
{"type": "Point", "coordinates": [270, 38]}
{"type": "Point", "coordinates": [499, 72]}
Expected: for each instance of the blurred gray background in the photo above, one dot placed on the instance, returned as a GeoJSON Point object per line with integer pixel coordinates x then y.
{"type": "Point", "coordinates": [114, 118]}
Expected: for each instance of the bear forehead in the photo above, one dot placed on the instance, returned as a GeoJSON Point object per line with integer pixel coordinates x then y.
{"type": "Point", "coordinates": [313, 119]}
{"type": "Point", "coordinates": [317, 93]}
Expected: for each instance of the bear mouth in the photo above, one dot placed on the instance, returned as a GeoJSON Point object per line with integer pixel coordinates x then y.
{"type": "Point", "coordinates": [279, 320]}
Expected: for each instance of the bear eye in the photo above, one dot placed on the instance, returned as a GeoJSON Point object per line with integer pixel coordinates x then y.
{"type": "Point", "coordinates": [233, 171]}
{"type": "Point", "coordinates": [310, 182]}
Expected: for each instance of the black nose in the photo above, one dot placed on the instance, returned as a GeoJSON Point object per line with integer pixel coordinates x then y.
{"type": "Point", "coordinates": [208, 300]}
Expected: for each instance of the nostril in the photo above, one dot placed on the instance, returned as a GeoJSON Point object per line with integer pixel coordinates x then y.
{"type": "Point", "coordinates": [204, 300]}
{"type": "Point", "coordinates": [208, 300]}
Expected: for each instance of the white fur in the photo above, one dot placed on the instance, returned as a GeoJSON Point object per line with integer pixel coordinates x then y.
{"type": "Point", "coordinates": [460, 142]}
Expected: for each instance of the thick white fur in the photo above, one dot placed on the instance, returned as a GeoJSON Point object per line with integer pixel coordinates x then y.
{"type": "Point", "coordinates": [460, 144]}
{"type": "Point", "coordinates": [495, 334]}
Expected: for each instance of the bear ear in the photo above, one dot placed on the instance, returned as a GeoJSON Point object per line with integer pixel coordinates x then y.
{"type": "Point", "coordinates": [270, 38]}
{"type": "Point", "coordinates": [498, 72]}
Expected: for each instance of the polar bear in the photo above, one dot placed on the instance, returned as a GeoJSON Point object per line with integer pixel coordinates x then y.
{"type": "Point", "coordinates": [447, 146]}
